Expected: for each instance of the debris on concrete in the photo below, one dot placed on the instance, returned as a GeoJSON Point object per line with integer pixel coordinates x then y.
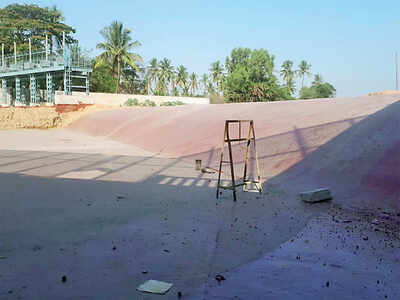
{"type": "Point", "coordinates": [37, 248]}
{"type": "Point", "coordinates": [179, 294]}
{"type": "Point", "coordinates": [375, 222]}
{"type": "Point", "coordinates": [219, 278]}
{"type": "Point", "coordinates": [155, 287]}
{"type": "Point", "coordinates": [207, 170]}
{"type": "Point", "coordinates": [316, 195]}
{"type": "Point", "coordinates": [145, 272]}
{"type": "Point", "coordinates": [64, 278]}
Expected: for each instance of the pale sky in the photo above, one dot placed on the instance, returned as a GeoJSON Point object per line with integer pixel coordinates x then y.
{"type": "Point", "coordinates": [351, 43]}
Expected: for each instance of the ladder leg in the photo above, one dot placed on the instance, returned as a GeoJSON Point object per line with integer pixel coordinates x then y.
{"type": "Point", "coordinates": [231, 163]}
{"type": "Point", "coordinates": [256, 157]}
{"type": "Point", "coordinates": [220, 163]}
{"type": "Point", "coordinates": [247, 157]}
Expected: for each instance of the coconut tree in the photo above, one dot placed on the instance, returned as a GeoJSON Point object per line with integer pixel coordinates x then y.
{"type": "Point", "coordinates": [151, 75]}
{"type": "Point", "coordinates": [288, 74]}
{"type": "Point", "coordinates": [193, 83]}
{"type": "Point", "coordinates": [217, 74]}
{"type": "Point", "coordinates": [204, 82]}
{"type": "Point", "coordinates": [165, 74]}
{"type": "Point", "coordinates": [181, 77]}
{"type": "Point", "coordinates": [303, 70]}
{"type": "Point", "coordinates": [210, 87]}
{"type": "Point", "coordinates": [117, 49]}
{"type": "Point", "coordinates": [317, 79]}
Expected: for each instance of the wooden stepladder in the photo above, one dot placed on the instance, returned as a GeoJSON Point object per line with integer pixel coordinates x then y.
{"type": "Point", "coordinates": [251, 137]}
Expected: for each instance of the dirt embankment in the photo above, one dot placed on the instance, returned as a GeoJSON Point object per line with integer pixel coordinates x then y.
{"type": "Point", "coordinates": [43, 117]}
{"type": "Point", "coordinates": [384, 93]}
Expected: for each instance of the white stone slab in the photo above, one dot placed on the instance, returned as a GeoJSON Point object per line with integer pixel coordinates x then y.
{"type": "Point", "coordinates": [155, 287]}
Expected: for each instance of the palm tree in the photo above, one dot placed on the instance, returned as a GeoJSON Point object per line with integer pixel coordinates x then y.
{"type": "Point", "coordinates": [317, 79]}
{"type": "Point", "coordinates": [204, 82]}
{"type": "Point", "coordinates": [151, 75]}
{"type": "Point", "coordinates": [165, 74]}
{"type": "Point", "coordinates": [288, 75]}
{"type": "Point", "coordinates": [210, 87]}
{"type": "Point", "coordinates": [173, 83]}
{"type": "Point", "coordinates": [286, 71]}
{"type": "Point", "coordinates": [304, 69]}
{"type": "Point", "coordinates": [181, 77]}
{"type": "Point", "coordinates": [117, 48]}
{"type": "Point", "coordinates": [217, 73]}
{"type": "Point", "coordinates": [193, 83]}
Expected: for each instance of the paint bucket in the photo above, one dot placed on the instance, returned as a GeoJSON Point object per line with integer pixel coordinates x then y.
{"type": "Point", "coordinates": [198, 164]}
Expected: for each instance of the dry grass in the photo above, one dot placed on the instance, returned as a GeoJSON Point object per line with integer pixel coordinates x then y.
{"type": "Point", "coordinates": [43, 117]}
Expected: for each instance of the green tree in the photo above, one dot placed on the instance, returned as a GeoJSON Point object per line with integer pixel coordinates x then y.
{"type": "Point", "coordinates": [318, 89]}
{"type": "Point", "coordinates": [217, 73]}
{"type": "Point", "coordinates": [239, 56]}
{"type": "Point", "coordinates": [303, 70]}
{"type": "Point", "coordinates": [133, 81]}
{"type": "Point", "coordinates": [182, 78]}
{"type": "Point", "coordinates": [165, 75]}
{"type": "Point", "coordinates": [317, 79]}
{"type": "Point", "coordinates": [19, 22]}
{"type": "Point", "coordinates": [204, 82]}
{"type": "Point", "coordinates": [102, 80]}
{"type": "Point", "coordinates": [288, 75]}
{"type": "Point", "coordinates": [193, 83]}
{"type": "Point", "coordinates": [210, 88]}
{"type": "Point", "coordinates": [250, 77]}
{"type": "Point", "coordinates": [117, 47]}
{"type": "Point", "coordinates": [151, 74]}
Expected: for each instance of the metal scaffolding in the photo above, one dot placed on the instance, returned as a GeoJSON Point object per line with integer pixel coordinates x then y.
{"type": "Point", "coordinates": [39, 70]}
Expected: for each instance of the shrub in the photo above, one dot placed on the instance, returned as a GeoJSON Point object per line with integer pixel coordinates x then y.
{"type": "Point", "coordinates": [172, 103]}
{"type": "Point", "coordinates": [131, 102]}
{"type": "Point", "coordinates": [147, 102]}
{"type": "Point", "coordinates": [135, 102]}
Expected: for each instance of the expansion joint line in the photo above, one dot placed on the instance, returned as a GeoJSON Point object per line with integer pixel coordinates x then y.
{"type": "Point", "coordinates": [215, 250]}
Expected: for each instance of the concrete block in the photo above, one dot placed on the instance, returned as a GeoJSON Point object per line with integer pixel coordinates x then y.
{"type": "Point", "coordinates": [316, 195]}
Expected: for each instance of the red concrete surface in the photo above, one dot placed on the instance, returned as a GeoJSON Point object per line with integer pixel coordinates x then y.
{"type": "Point", "coordinates": [63, 108]}
{"type": "Point", "coordinates": [350, 144]}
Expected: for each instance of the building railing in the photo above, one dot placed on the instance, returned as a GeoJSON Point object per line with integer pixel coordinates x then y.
{"type": "Point", "coordinates": [74, 58]}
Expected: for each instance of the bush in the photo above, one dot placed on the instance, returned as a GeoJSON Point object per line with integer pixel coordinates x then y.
{"type": "Point", "coordinates": [147, 102]}
{"type": "Point", "coordinates": [131, 102]}
{"type": "Point", "coordinates": [172, 103]}
{"type": "Point", "coordinates": [135, 102]}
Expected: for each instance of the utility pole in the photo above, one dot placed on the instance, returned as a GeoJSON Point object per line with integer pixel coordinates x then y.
{"type": "Point", "coordinates": [397, 71]}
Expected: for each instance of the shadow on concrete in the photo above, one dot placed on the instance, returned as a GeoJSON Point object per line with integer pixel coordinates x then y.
{"type": "Point", "coordinates": [63, 213]}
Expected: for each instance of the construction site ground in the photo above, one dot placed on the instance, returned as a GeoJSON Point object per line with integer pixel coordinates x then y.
{"type": "Point", "coordinates": [114, 200]}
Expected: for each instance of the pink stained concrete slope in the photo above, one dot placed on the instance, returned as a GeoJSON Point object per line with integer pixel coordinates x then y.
{"type": "Point", "coordinates": [314, 142]}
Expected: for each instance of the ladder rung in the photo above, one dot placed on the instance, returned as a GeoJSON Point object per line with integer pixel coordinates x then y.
{"type": "Point", "coordinates": [236, 140]}
{"type": "Point", "coordinates": [232, 186]}
{"type": "Point", "coordinates": [225, 162]}
{"type": "Point", "coordinates": [239, 140]}
{"type": "Point", "coordinates": [238, 121]}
